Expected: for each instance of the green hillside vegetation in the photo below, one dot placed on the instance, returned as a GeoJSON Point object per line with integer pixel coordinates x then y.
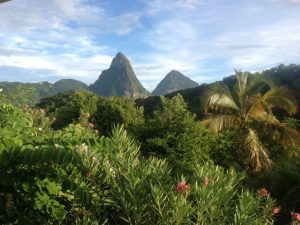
{"type": "Point", "coordinates": [30, 93]}
{"type": "Point", "coordinates": [64, 85]}
{"type": "Point", "coordinates": [119, 80]}
{"type": "Point", "coordinates": [173, 81]}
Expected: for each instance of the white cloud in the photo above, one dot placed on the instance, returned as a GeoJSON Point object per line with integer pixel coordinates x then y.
{"type": "Point", "coordinates": [32, 62]}
{"type": "Point", "coordinates": [292, 2]}
{"type": "Point", "coordinates": [125, 23]}
{"type": "Point", "coordinates": [212, 41]}
{"type": "Point", "coordinates": [159, 6]}
{"type": "Point", "coordinates": [203, 39]}
{"type": "Point", "coordinates": [59, 36]}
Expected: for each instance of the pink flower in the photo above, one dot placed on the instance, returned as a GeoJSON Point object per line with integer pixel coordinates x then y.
{"type": "Point", "coordinates": [91, 125]}
{"type": "Point", "coordinates": [87, 115]}
{"type": "Point", "coordinates": [276, 210]}
{"type": "Point", "coordinates": [187, 187]}
{"type": "Point", "coordinates": [297, 216]}
{"type": "Point", "coordinates": [182, 187]}
{"type": "Point", "coordinates": [263, 192]}
{"type": "Point", "coordinates": [89, 174]}
{"type": "Point", "coordinates": [205, 181]}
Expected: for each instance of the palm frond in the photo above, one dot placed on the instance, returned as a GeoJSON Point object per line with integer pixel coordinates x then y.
{"type": "Point", "coordinates": [260, 112]}
{"type": "Point", "coordinates": [242, 78]}
{"type": "Point", "coordinates": [258, 157]}
{"type": "Point", "coordinates": [219, 122]}
{"type": "Point", "coordinates": [289, 136]}
{"type": "Point", "coordinates": [281, 97]}
{"type": "Point", "coordinates": [217, 101]}
{"type": "Point", "coordinates": [242, 82]}
{"type": "Point", "coordinates": [257, 87]}
{"type": "Point", "coordinates": [255, 105]}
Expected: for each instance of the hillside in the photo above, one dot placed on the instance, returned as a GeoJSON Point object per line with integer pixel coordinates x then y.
{"type": "Point", "coordinates": [119, 80]}
{"type": "Point", "coordinates": [173, 81]}
{"type": "Point", "coordinates": [69, 84]}
{"type": "Point", "coordinates": [195, 97]}
{"type": "Point", "coordinates": [30, 93]}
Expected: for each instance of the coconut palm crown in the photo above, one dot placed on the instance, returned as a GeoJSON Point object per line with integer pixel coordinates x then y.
{"type": "Point", "coordinates": [247, 107]}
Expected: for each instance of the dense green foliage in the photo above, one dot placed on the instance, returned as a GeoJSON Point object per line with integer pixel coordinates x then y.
{"type": "Point", "coordinates": [117, 110]}
{"type": "Point", "coordinates": [104, 113]}
{"type": "Point", "coordinates": [73, 177]}
{"type": "Point", "coordinates": [119, 80]}
{"type": "Point", "coordinates": [174, 134]}
{"type": "Point", "coordinates": [66, 108]}
{"type": "Point", "coordinates": [173, 81]}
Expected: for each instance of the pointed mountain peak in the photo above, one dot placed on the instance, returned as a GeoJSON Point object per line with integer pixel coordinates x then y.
{"type": "Point", "coordinates": [174, 73]}
{"type": "Point", "coordinates": [119, 80]}
{"type": "Point", "coordinates": [173, 81]}
{"type": "Point", "coordinates": [119, 60]}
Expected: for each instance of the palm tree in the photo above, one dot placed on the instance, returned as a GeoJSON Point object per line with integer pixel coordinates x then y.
{"type": "Point", "coordinates": [247, 109]}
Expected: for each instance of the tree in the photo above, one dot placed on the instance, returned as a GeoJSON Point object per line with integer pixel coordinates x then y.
{"type": "Point", "coordinates": [174, 134]}
{"type": "Point", "coordinates": [248, 107]}
{"type": "Point", "coordinates": [118, 110]}
{"type": "Point", "coordinates": [67, 107]}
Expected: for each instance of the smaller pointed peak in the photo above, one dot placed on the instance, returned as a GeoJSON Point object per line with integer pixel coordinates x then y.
{"type": "Point", "coordinates": [174, 73]}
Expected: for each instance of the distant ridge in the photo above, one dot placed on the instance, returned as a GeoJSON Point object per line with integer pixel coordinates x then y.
{"type": "Point", "coordinates": [119, 80]}
{"type": "Point", "coordinates": [69, 84]}
{"type": "Point", "coordinates": [36, 91]}
{"type": "Point", "coordinates": [173, 81]}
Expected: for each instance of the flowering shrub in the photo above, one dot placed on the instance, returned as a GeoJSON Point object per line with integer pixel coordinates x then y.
{"type": "Point", "coordinates": [71, 176]}
{"type": "Point", "coordinates": [263, 192]}
{"type": "Point", "coordinates": [296, 216]}
{"type": "Point", "coordinates": [182, 187]}
{"type": "Point", "coordinates": [276, 211]}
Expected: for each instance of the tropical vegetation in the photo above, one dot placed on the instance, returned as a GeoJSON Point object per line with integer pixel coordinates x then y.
{"type": "Point", "coordinates": [249, 108]}
{"type": "Point", "coordinates": [79, 158]}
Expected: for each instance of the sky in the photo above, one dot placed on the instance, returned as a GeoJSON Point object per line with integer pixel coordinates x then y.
{"type": "Point", "coordinates": [204, 39]}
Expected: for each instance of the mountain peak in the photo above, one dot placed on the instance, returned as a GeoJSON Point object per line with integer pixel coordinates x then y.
{"type": "Point", "coordinates": [119, 80]}
{"type": "Point", "coordinates": [119, 60]}
{"type": "Point", "coordinates": [173, 73]}
{"type": "Point", "coordinates": [173, 81]}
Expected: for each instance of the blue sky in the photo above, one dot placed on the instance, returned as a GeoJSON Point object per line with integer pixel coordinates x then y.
{"type": "Point", "coordinates": [204, 39]}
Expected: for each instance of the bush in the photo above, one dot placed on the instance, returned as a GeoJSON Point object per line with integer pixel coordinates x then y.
{"type": "Point", "coordinates": [71, 176]}
{"type": "Point", "coordinates": [174, 134]}
{"type": "Point", "coordinates": [117, 110]}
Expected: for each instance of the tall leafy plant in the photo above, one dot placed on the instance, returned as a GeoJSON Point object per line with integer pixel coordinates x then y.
{"type": "Point", "coordinates": [248, 108]}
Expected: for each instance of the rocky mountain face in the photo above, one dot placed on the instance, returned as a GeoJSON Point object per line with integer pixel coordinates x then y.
{"type": "Point", "coordinates": [119, 80]}
{"type": "Point", "coordinates": [174, 81]}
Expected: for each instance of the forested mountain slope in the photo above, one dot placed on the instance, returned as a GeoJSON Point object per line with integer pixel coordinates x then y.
{"type": "Point", "coordinates": [30, 93]}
